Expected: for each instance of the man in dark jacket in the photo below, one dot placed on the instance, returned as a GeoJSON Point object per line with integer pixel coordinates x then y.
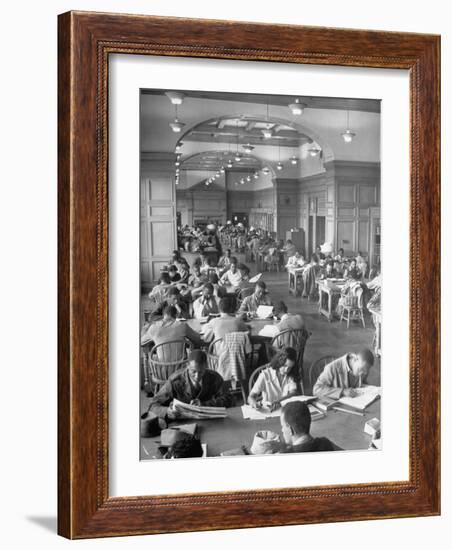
{"type": "Point", "coordinates": [196, 385]}
{"type": "Point", "coordinates": [296, 425]}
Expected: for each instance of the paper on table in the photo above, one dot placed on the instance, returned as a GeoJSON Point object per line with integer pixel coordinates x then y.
{"type": "Point", "coordinates": [255, 278]}
{"type": "Point", "coordinates": [250, 413]}
{"type": "Point", "coordinates": [269, 331]}
{"type": "Point", "coordinates": [365, 396]}
{"type": "Point", "coordinates": [263, 312]}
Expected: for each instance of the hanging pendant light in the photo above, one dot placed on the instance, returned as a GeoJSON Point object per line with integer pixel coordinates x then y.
{"type": "Point", "coordinates": [279, 166]}
{"type": "Point", "coordinates": [313, 151]}
{"type": "Point", "coordinates": [176, 98]}
{"type": "Point", "coordinates": [297, 108]}
{"type": "Point", "coordinates": [179, 146]}
{"type": "Point", "coordinates": [242, 181]}
{"type": "Point", "coordinates": [176, 126]}
{"type": "Point", "coordinates": [248, 178]}
{"type": "Point", "coordinates": [230, 163]}
{"type": "Point", "coordinates": [348, 135]}
{"type": "Point", "coordinates": [222, 170]}
{"type": "Point", "coordinates": [267, 132]}
{"type": "Point", "coordinates": [256, 175]}
{"type": "Point", "coordinates": [266, 170]}
{"type": "Point", "coordinates": [248, 148]}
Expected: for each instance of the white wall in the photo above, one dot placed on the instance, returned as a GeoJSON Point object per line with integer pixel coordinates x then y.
{"type": "Point", "coordinates": [28, 272]}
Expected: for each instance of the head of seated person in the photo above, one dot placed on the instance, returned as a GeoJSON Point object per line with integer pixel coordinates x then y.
{"type": "Point", "coordinates": [260, 290]}
{"type": "Point", "coordinates": [315, 259]}
{"type": "Point", "coordinates": [233, 266]}
{"type": "Point", "coordinates": [172, 272]}
{"type": "Point", "coordinates": [164, 279]}
{"type": "Point", "coordinates": [329, 269]}
{"type": "Point", "coordinates": [169, 313]}
{"type": "Point", "coordinates": [175, 256]}
{"type": "Point", "coordinates": [280, 309]}
{"type": "Point", "coordinates": [361, 363]}
{"type": "Point", "coordinates": [197, 366]}
{"type": "Point", "coordinates": [207, 291]}
{"type": "Point", "coordinates": [226, 306]}
{"type": "Point", "coordinates": [173, 295]}
{"type": "Point", "coordinates": [295, 422]}
{"type": "Point", "coordinates": [189, 447]}
{"type": "Point", "coordinates": [285, 361]}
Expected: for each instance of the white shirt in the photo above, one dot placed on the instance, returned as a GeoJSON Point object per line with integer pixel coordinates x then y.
{"type": "Point", "coordinates": [273, 387]}
{"type": "Point", "coordinates": [234, 279]}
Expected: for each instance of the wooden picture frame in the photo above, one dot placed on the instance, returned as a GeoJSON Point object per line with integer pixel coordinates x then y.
{"type": "Point", "coordinates": [86, 40]}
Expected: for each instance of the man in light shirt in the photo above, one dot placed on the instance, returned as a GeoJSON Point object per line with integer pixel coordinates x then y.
{"type": "Point", "coordinates": [232, 277]}
{"type": "Point", "coordinates": [206, 303]}
{"type": "Point", "coordinates": [341, 376]}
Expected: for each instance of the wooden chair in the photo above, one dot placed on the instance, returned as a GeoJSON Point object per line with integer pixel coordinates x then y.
{"type": "Point", "coordinates": [213, 359]}
{"type": "Point", "coordinates": [316, 369]}
{"type": "Point", "coordinates": [254, 376]}
{"type": "Point", "coordinates": [166, 359]}
{"type": "Point", "coordinates": [293, 339]}
{"type": "Point", "coordinates": [352, 308]}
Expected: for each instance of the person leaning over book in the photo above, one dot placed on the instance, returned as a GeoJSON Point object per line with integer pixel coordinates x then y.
{"type": "Point", "coordinates": [341, 376]}
{"type": "Point", "coordinates": [278, 381]}
{"type": "Point", "coordinates": [196, 385]}
{"type": "Point", "coordinates": [296, 425]}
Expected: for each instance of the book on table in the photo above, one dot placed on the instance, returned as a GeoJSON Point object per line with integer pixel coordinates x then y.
{"type": "Point", "coordinates": [363, 398]}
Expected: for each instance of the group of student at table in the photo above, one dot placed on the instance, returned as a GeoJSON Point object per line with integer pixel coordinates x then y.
{"type": "Point", "coordinates": [278, 381]}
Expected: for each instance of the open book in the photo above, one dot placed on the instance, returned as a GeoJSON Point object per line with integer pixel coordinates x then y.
{"type": "Point", "coordinates": [198, 412]}
{"type": "Point", "coordinates": [364, 397]}
{"type": "Point", "coordinates": [269, 331]}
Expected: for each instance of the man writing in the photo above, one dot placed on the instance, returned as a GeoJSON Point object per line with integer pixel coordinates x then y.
{"type": "Point", "coordinates": [258, 298]}
{"type": "Point", "coordinates": [341, 376]}
{"type": "Point", "coordinates": [196, 385]}
{"type": "Point", "coordinates": [296, 425]}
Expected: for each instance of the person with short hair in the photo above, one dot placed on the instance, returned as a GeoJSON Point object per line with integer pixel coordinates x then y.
{"type": "Point", "coordinates": [340, 377]}
{"type": "Point", "coordinates": [224, 262]}
{"type": "Point", "coordinates": [233, 276]}
{"type": "Point", "coordinates": [296, 426]}
{"type": "Point", "coordinates": [258, 298]}
{"type": "Point", "coordinates": [277, 381]}
{"type": "Point", "coordinates": [227, 322]}
{"type": "Point", "coordinates": [173, 298]}
{"type": "Point", "coordinates": [287, 321]}
{"type": "Point", "coordinates": [174, 275]}
{"type": "Point", "coordinates": [206, 304]}
{"type": "Point", "coordinates": [196, 385]}
{"type": "Point", "coordinates": [169, 329]}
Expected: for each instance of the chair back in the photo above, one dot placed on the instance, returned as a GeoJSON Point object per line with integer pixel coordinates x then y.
{"type": "Point", "coordinates": [317, 367]}
{"type": "Point", "coordinates": [254, 376]}
{"type": "Point", "coordinates": [213, 354]}
{"type": "Point", "coordinates": [167, 358]}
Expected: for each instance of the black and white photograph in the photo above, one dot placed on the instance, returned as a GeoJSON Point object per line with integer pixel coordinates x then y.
{"type": "Point", "coordinates": [260, 274]}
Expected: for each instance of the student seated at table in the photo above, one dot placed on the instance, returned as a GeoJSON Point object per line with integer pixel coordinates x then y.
{"type": "Point", "coordinates": [287, 321]}
{"type": "Point", "coordinates": [289, 249]}
{"type": "Point", "coordinates": [158, 293]}
{"type": "Point", "coordinates": [225, 323]}
{"type": "Point", "coordinates": [277, 381]}
{"type": "Point", "coordinates": [224, 262]}
{"type": "Point", "coordinates": [295, 261]}
{"type": "Point", "coordinates": [232, 277]}
{"type": "Point", "coordinates": [341, 376]}
{"type": "Point", "coordinates": [206, 303]}
{"type": "Point", "coordinates": [203, 262]}
{"type": "Point", "coordinates": [173, 298]}
{"type": "Point", "coordinates": [195, 384]}
{"type": "Point", "coordinates": [337, 267]}
{"type": "Point", "coordinates": [352, 271]}
{"type": "Point", "coordinates": [309, 277]}
{"type": "Point", "coordinates": [328, 272]}
{"type": "Point", "coordinates": [296, 426]}
{"type": "Point", "coordinates": [168, 329]}
{"type": "Point", "coordinates": [174, 275]}
{"type": "Point", "coordinates": [258, 298]}
{"type": "Point", "coordinates": [340, 256]}
{"type": "Point", "coordinates": [196, 281]}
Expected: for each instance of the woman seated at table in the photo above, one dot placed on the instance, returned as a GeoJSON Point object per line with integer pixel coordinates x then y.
{"type": "Point", "coordinates": [277, 381]}
{"type": "Point", "coordinates": [328, 272]}
{"type": "Point", "coordinates": [340, 256]}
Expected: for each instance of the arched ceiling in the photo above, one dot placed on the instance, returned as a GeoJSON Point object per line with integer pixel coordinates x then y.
{"type": "Point", "coordinates": [217, 125]}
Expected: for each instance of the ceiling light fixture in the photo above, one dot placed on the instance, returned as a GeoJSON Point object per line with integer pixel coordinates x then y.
{"type": "Point", "coordinates": [242, 181]}
{"type": "Point", "coordinates": [222, 170]}
{"type": "Point", "coordinates": [297, 108]}
{"type": "Point", "coordinates": [266, 170]}
{"type": "Point", "coordinates": [248, 178]}
{"type": "Point", "coordinates": [348, 136]}
{"type": "Point", "coordinates": [267, 132]}
{"type": "Point", "coordinates": [176, 98]}
{"type": "Point", "coordinates": [279, 166]}
{"type": "Point", "coordinates": [176, 125]}
{"type": "Point", "coordinates": [293, 160]}
{"type": "Point", "coordinates": [256, 175]}
{"type": "Point", "coordinates": [179, 146]}
{"type": "Point", "coordinates": [248, 148]}
{"type": "Point", "coordinates": [229, 164]}
{"type": "Point", "coordinates": [313, 151]}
